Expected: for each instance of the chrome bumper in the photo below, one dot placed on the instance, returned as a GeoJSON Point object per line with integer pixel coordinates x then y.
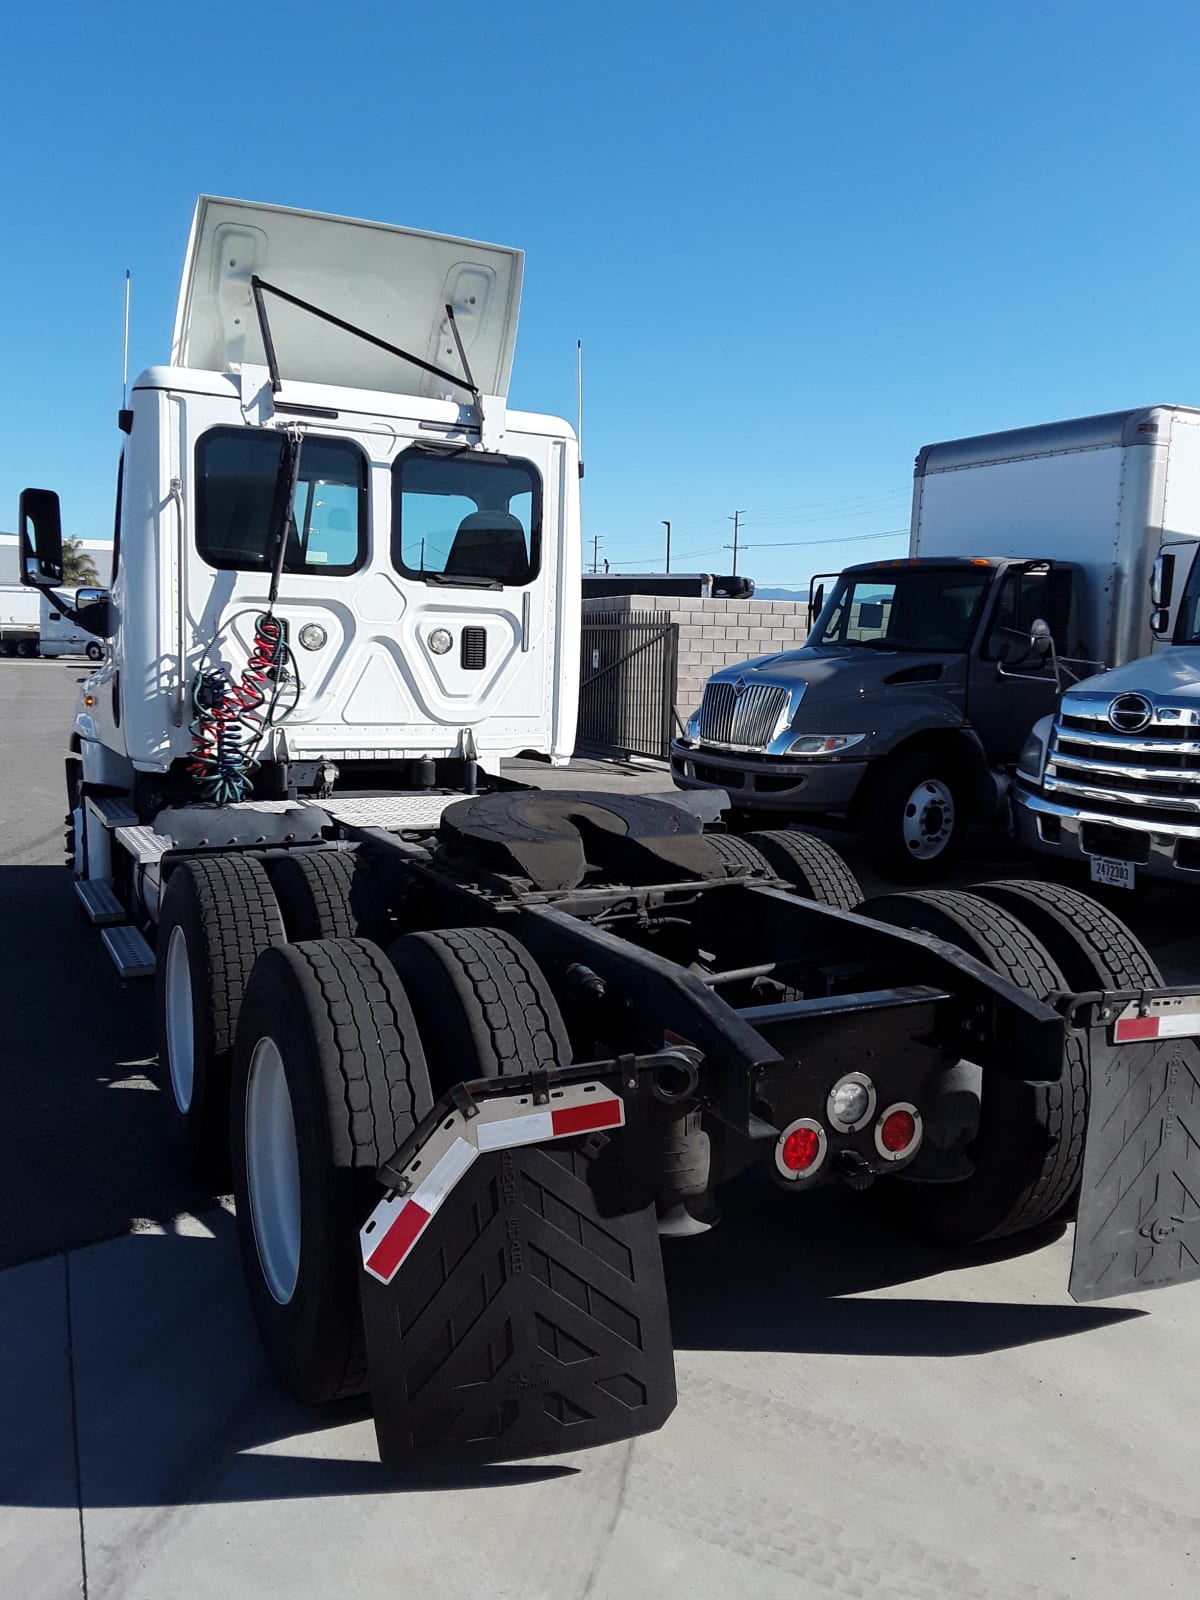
{"type": "Point", "coordinates": [1158, 849]}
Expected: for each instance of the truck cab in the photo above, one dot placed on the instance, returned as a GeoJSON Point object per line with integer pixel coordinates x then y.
{"type": "Point", "coordinates": [918, 684]}
{"type": "Point", "coordinates": [342, 561]}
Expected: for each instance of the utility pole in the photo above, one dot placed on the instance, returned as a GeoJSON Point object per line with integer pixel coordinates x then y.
{"type": "Point", "coordinates": [667, 526]}
{"type": "Point", "coordinates": [595, 552]}
{"type": "Point", "coordinates": [734, 519]}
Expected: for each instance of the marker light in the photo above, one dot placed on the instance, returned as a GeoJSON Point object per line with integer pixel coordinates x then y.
{"type": "Point", "coordinates": [800, 1149]}
{"type": "Point", "coordinates": [312, 635]}
{"type": "Point", "coordinates": [851, 1102]}
{"type": "Point", "coordinates": [440, 641]}
{"type": "Point", "coordinates": [898, 1131]}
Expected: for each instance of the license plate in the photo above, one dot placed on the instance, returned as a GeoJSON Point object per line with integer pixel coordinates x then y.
{"type": "Point", "coordinates": [1112, 874]}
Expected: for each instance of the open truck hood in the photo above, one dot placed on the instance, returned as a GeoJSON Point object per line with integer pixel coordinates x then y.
{"type": "Point", "coordinates": [391, 282]}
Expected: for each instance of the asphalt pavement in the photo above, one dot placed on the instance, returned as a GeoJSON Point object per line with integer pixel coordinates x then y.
{"type": "Point", "coordinates": [858, 1416]}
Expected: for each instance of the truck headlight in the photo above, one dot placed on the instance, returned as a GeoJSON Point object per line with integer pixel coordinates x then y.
{"type": "Point", "coordinates": [1032, 757]}
{"type": "Point", "coordinates": [823, 744]}
{"type": "Point", "coordinates": [691, 732]}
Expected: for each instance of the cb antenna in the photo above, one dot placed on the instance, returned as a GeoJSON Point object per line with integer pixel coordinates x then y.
{"type": "Point", "coordinates": [125, 355]}
{"type": "Point", "coordinates": [579, 411]}
{"type": "Point", "coordinates": [125, 416]}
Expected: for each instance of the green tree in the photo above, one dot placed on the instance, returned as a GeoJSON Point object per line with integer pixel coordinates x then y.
{"type": "Point", "coordinates": [79, 570]}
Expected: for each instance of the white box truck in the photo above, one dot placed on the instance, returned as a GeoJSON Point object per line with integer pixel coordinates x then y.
{"type": "Point", "coordinates": [18, 621]}
{"type": "Point", "coordinates": [908, 708]}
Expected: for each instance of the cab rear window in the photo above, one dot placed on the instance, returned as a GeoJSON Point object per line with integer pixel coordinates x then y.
{"type": "Point", "coordinates": [236, 472]}
{"type": "Point", "coordinates": [469, 520]}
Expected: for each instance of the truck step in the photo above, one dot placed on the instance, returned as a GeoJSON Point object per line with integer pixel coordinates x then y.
{"type": "Point", "coordinates": [98, 900]}
{"type": "Point", "coordinates": [132, 956]}
{"type": "Point", "coordinates": [112, 809]}
{"type": "Point", "coordinates": [143, 844]}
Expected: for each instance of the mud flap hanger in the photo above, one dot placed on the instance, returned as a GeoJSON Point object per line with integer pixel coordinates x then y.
{"type": "Point", "coordinates": [1138, 1224]}
{"type": "Point", "coordinates": [511, 1278]}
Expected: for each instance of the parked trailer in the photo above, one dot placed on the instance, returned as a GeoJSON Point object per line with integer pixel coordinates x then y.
{"type": "Point", "coordinates": [18, 621]}
{"type": "Point", "coordinates": [469, 1054]}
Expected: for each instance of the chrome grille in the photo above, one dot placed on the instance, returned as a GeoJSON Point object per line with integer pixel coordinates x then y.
{"type": "Point", "coordinates": [746, 721]}
{"type": "Point", "coordinates": [1156, 768]}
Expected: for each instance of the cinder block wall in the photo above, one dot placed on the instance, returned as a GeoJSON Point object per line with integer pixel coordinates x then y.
{"type": "Point", "coordinates": [716, 633]}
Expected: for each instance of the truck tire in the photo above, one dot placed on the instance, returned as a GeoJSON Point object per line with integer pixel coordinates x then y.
{"type": "Point", "coordinates": [1091, 945]}
{"type": "Point", "coordinates": [328, 1079]}
{"type": "Point", "coordinates": [738, 859]}
{"type": "Point", "coordinates": [27, 648]}
{"type": "Point", "coordinates": [482, 1004]}
{"type": "Point", "coordinates": [809, 866]}
{"type": "Point", "coordinates": [94, 651]}
{"type": "Point", "coordinates": [913, 817]}
{"type": "Point", "coordinates": [812, 867]}
{"type": "Point", "coordinates": [329, 894]}
{"type": "Point", "coordinates": [1028, 1150]}
{"type": "Point", "coordinates": [218, 916]}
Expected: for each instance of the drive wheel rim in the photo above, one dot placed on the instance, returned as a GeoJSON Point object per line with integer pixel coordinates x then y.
{"type": "Point", "coordinates": [273, 1171]}
{"type": "Point", "coordinates": [181, 1038]}
{"type": "Point", "coordinates": [928, 821]}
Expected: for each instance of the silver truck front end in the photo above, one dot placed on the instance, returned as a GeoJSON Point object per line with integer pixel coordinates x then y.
{"type": "Point", "coordinates": [1119, 787]}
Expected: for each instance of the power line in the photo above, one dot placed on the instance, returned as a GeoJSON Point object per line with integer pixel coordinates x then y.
{"type": "Point", "coordinates": [844, 538]}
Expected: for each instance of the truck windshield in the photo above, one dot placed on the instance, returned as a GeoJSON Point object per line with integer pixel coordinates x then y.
{"type": "Point", "coordinates": [907, 608]}
{"type": "Point", "coordinates": [466, 519]}
{"type": "Point", "coordinates": [1187, 628]}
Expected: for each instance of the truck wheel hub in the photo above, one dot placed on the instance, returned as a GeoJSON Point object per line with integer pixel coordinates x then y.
{"type": "Point", "coordinates": [928, 819]}
{"type": "Point", "coordinates": [273, 1171]}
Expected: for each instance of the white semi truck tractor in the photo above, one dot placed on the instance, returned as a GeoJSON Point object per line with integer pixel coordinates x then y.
{"type": "Point", "coordinates": [467, 1050]}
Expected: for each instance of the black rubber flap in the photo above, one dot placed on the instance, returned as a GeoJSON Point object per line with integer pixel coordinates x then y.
{"type": "Point", "coordinates": [1139, 1205]}
{"type": "Point", "coordinates": [531, 1317]}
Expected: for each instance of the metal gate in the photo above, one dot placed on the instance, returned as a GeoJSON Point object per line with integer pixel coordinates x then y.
{"type": "Point", "coordinates": [627, 682]}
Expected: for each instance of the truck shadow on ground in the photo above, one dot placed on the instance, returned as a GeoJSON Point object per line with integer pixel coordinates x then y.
{"type": "Point", "coordinates": [790, 1268]}
{"type": "Point", "coordinates": [83, 1148]}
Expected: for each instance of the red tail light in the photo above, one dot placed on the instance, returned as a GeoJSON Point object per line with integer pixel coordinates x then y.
{"type": "Point", "coordinates": [800, 1149]}
{"type": "Point", "coordinates": [898, 1131]}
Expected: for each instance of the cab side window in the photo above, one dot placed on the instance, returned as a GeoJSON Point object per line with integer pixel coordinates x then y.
{"type": "Point", "coordinates": [1028, 594]}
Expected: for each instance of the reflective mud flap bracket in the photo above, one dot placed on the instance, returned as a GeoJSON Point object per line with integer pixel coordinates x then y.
{"type": "Point", "coordinates": [512, 1284]}
{"type": "Point", "coordinates": [1138, 1226]}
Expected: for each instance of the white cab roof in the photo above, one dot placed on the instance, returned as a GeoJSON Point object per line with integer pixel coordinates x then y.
{"type": "Point", "coordinates": [391, 282]}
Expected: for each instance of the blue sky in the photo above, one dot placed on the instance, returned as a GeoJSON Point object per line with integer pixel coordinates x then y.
{"type": "Point", "coordinates": [797, 241]}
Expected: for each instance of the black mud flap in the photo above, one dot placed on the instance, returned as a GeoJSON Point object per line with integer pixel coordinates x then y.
{"type": "Point", "coordinates": [1138, 1226]}
{"type": "Point", "coordinates": [513, 1296]}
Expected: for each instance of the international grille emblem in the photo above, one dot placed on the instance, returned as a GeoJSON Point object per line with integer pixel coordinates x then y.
{"type": "Point", "coordinates": [740, 686]}
{"type": "Point", "coordinates": [1130, 713]}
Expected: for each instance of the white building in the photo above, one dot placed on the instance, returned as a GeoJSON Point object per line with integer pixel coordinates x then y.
{"type": "Point", "coordinates": [100, 551]}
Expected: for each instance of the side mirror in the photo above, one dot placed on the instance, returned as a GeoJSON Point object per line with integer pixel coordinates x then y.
{"type": "Point", "coordinates": [40, 522]}
{"type": "Point", "coordinates": [1040, 637]}
{"type": "Point", "coordinates": [1160, 621]}
{"type": "Point", "coordinates": [1162, 581]}
{"type": "Point", "coordinates": [818, 603]}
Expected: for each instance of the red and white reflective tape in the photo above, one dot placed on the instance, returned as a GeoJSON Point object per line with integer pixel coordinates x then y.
{"type": "Point", "coordinates": [1175, 1020]}
{"type": "Point", "coordinates": [391, 1231]}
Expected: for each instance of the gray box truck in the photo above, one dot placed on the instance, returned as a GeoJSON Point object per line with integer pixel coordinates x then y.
{"type": "Point", "coordinates": [906, 712]}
